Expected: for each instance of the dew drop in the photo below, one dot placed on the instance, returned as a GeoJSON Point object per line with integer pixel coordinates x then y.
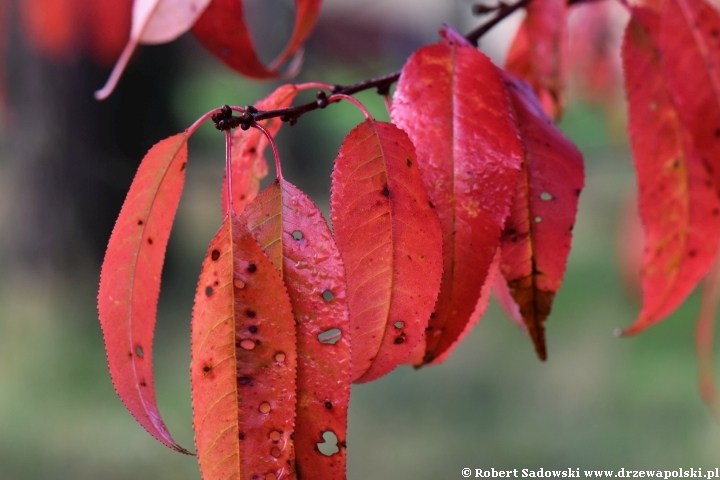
{"type": "Point", "coordinates": [280, 357]}
{"type": "Point", "coordinates": [297, 235]}
{"type": "Point", "coordinates": [538, 219]}
{"type": "Point", "coordinates": [330, 337]}
{"type": "Point", "coordinates": [247, 344]}
{"type": "Point", "coordinates": [264, 407]}
{"type": "Point", "coordinates": [545, 196]}
{"type": "Point", "coordinates": [275, 435]}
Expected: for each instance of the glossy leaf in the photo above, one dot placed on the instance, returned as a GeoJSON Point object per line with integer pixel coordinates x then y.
{"type": "Point", "coordinates": [222, 30]}
{"type": "Point", "coordinates": [130, 279]}
{"type": "Point", "coordinates": [298, 241]}
{"type": "Point", "coordinates": [153, 22]}
{"type": "Point", "coordinates": [243, 361]}
{"type": "Point", "coordinates": [678, 205]}
{"type": "Point", "coordinates": [389, 239]}
{"type": "Point", "coordinates": [537, 235]}
{"type": "Point", "coordinates": [248, 148]}
{"type": "Point", "coordinates": [690, 45]}
{"type": "Point", "coordinates": [452, 103]}
{"type": "Point", "coordinates": [537, 53]}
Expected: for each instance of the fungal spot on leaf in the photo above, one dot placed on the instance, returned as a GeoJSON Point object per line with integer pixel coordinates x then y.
{"type": "Point", "coordinates": [149, 240]}
{"type": "Point", "coordinates": [545, 196]}
{"type": "Point", "coordinates": [239, 283]}
{"type": "Point", "coordinates": [252, 328]}
{"type": "Point", "coordinates": [264, 407]}
{"type": "Point", "coordinates": [206, 369]}
{"type": "Point", "coordinates": [399, 339]}
{"type": "Point", "coordinates": [251, 314]}
{"type": "Point", "coordinates": [330, 445]}
{"type": "Point", "coordinates": [241, 436]}
{"type": "Point", "coordinates": [297, 235]}
{"type": "Point", "coordinates": [140, 222]}
{"type": "Point", "coordinates": [251, 268]}
{"type": "Point", "coordinates": [327, 295]}
{"type": "Point", "coordinates": [538, 219]}
{"type": "Point", "coordinates": [330, 337]}
{"type": "Point", "coordinates": [676, 164]}
{"type": "Point", "coordinates": [577, 192]}
{"type": "Point", "coordinates": [139, 351]}
{"type": "Point", "coordinates": [275, 436]}
{"type": "Point", "coordinates": [247, 344]}
{"type": "Point", "coordinates": [279, 357]}
{"type": "Point", "coordinates": [244, 380]}
{"type": "Point", "coordinates": [208, 290]}
{"type": "Point", "coordinates": [328, 404]}
{"type": "Point", "coordinates": [215, 255]}
{"type": "Point", "coordinates": [143, 384]}
{"type": "Point", "coordinates": [386, 191]}
{"type": "Point", "coordinates": [432, 205]}
{"type": "Point", "coordinates": [399, 324]}
{"type": "Point", "coordinates": [409, 162]}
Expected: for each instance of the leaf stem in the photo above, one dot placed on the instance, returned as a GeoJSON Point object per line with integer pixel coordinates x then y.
{"type": "Point", "coordinates": [228, 172]}
{"type": "Point", "coordinates": [273, 145]}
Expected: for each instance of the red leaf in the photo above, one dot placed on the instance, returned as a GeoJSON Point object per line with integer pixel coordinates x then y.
{"type": "Point", "coordinates": [453, 105]}
{"type": "Point", "coordinates": [678, 205]}
{"type": "Point", "coordinates": [537, 52]}
{"type": "Point", "coordinates": [248, 159]}
{"type": "Point", "coordinates": [153, 22]}
{"type": "Point", "coordinates": [130, 279]}
{"type": "Point", "coordinates": [109, 28]}
{"type": "Point", "coordinates": [298, 241]}
{"type": "Point", "coordinates": [690, 45]}
{"type": "Point", "coordinates": [538, 232]}
{"type": "Point", "coordinates": [389, 239]}
{"type": "Point", "coordinates": [222, 30]}
{"type": "Point", "coordinates": [51, 26]}
{"type": "Point", "coordinates": [243, 361]}
{"type": "Point", "coordinates": [507, 302]}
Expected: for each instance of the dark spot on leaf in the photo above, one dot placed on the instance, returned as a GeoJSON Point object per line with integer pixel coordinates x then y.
{"type": "Point", "coordinates": [182, 167]}
{"type": "Point", "coordinates": [330, 337]}
{"type": "Point", "coordinates": [252, 328]}
{"type": "Point", "coordinates": [399, 339]}
{"type": "Point", "coordinates": [432, 315]}
{"type": "Point", "coordinates": [207, 368]}
{"type": "Point", "coordinates": [142, 383]}
{"type": "Point", "coordinates": [140, 222]}
{"type": "Point", "coordinates": [208, 290]}
{"type": "Point", "coordinates": [244, 380]}
{"type": "Point", "coordinates": [215, 255]}
{"type": "Point", "coordinates": [676, 164]}
{"type": "Point", "coordinates": [570, 228]}
{"type": "Point", "coordinates": [327, 295]}
{"type": "Point", "coordinates": [251, 268]}
{"type": "Point", "coordinates": [717, 132]}
{"type": "Point", "coordinates": [409, 162]}
{"type": "Point", "coordinates": [692, 253]}
{"type": "Point", "coordinates": [150, 240]}
{"type": "Point", "coordinates": [343, 444]}
{"type": "Point", "coordinates": [386, 191]}
{"type": "Point", "coordinates": [139, 351]}
{"type": "Point", "coordinates": [250, 313]}
{"type": "Point", "coordinates": [429, 357]}
{"type": "Point", "coordinates": [297, 235]}
{"type": "Point", "coordinates": [328, 404]}
{"type": "Point", "coordinates": [252, 150]}
{"type": "Point", "coordinates": [432, 205]}
{"type": "Point", "coordinates": [577, 192]}
{"type": "Point", "coordinates": [241, 436]}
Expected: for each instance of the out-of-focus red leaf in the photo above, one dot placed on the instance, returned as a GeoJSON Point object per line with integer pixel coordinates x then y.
{"type": "Point", "coordinates": [248, 162]}
{"type": "Point", "coordinates": [537, 235]}
{"type": "Point", "coordinates": [507, 302]}
{"type": "Point", "coordinates": [690, 45]}
{"type": "Point", "coordinates": [537, 54]}
{"type": "Point", "coordinates": [108, 25]}
{"type": "Point", "coordinates": [298, 241]}
{"type": "Point", "coordinates": [51, 27]}
{"type": "Point", "coordinates": [390, 242]}
{"type": "Point", "coordinates": [678, 205]}
{"type": "Point", "coordinates": [153, 22]}
{"type": "Point", "coordinates": [704, 339]}
{"type": "Point", "coordinates": [222, 30]}
{"type": "Point", "coordinates": [130, 279]}
{"type": "Point", "coordinates": [452, 103]}
{"type": "Point", "coordinates": [243, 361]}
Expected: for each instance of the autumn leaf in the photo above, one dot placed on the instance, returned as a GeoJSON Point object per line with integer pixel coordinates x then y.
{"type": "Point", "coordinates": [537, 53]}
{"type": "Point", "coordinates": [248, 148]}
{"type": "Point", "coordinates": [390, 241]}
{"type": "Point", "coordinates": [51, 27]}
{"type": "Point", "coordinates": [690, 44]}
{"type": "Point", "coordinates": [222, 30]}
{"type": "Point", "coordinates": [153, 22]}
{"type": "Point", "coordinates": [452, 103]}
{"type": "Point", "coordinates": [296, 237]}
{"type": "Point", "coordinates": [536, 240]}
{"type": "Point", "coordinates": [243, 361]}
{"type": "Point", "coordinates": [130, 279]}
{"type": "Point", "coordinates": [678, 205]}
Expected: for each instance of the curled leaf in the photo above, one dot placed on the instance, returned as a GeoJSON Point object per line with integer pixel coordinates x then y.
{"type": "Point", "coordinates": [130, 279]}
{"type": "Point", "coordinates": [389, 239]}
{"type": "Point", "coordinates": [243, 361]}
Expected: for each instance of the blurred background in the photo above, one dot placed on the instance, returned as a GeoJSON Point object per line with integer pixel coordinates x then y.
{"type": "Point", "coordinates": [66, 161]}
